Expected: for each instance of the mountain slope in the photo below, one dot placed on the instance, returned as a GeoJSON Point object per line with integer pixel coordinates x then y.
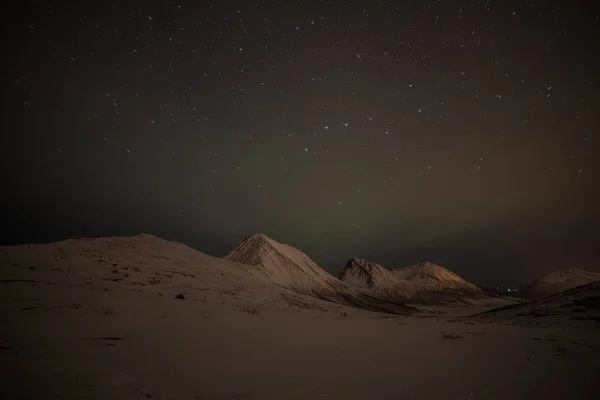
{"type": "Point", "coordinates": [142, 263]}
{"type": "Point", "coordinates": [289, 267]}
{"type": "Point", "coordinates": [559, 281]}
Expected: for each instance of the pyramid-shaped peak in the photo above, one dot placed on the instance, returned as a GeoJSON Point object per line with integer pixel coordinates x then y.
{"type": "Point", "coordinates": [283, 264]}
{"type": "Point", "coordinates": [259, 238]}
{"type": "Point", "coordinates": [252, 249]}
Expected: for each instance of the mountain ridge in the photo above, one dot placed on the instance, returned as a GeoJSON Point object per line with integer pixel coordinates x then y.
{"type": "Point", "coordinates": [289, 267]}
{"type": "Point", "coordinates": [405, 282]}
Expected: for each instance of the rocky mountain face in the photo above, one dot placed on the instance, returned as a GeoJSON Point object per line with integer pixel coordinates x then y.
{"type": "Point", "coordinates": [369, 275]}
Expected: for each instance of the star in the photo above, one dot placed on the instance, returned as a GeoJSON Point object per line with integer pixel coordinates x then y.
{"type": "Point", "coordinates": [202, 92]}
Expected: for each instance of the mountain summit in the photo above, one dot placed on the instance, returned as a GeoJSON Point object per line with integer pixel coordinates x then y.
{"type": "Point", "coordinates": [283, 264]}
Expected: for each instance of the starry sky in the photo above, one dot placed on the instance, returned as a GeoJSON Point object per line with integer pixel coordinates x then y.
{"type": "Point", "coordinates": [461, 132]}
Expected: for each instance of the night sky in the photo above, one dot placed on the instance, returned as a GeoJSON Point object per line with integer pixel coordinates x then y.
{"type": "Point", "coordinates": [466, 133]}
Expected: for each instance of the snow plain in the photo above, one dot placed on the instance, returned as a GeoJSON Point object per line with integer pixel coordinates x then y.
{"type": "Point", "coordinates": [100, 319]}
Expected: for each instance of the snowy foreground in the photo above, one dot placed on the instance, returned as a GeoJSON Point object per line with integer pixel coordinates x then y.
{"type": "Point", "coordinates": [74, 327]}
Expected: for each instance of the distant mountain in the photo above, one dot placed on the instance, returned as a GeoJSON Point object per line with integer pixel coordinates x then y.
{"type": "Point", "coordinates": [559, 281]}
{"type": "Point", "coordinates": [427, 276]}
{"type": "Point", "coordinates": [405, 282]}
{"type": "Point", "coordinates": [289, 267]}
{"type": "Point", "coordinates": [579, 303]}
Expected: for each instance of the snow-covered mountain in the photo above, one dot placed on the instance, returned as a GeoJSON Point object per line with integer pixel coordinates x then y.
{"type": "Point", "coordinates": [427, 276]}
{"type": "Point", "coordinates": [374, 277]}
{"type": "Point", "coordinates": [406, 282]}
{"type": "Point", "coordinates": [559, 281]}
{"type": "Point", "coordinates": [289, 267]}
{"type": "Point", "coordinates": [282, 264]}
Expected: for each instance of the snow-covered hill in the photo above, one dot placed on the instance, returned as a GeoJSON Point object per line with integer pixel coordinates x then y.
{"type": "Point", "coordinates": [559, 281]}
{"type": "Point", "coordinates": [581, 303]}
{"type": "Point", "coordinates": [141, 263]}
